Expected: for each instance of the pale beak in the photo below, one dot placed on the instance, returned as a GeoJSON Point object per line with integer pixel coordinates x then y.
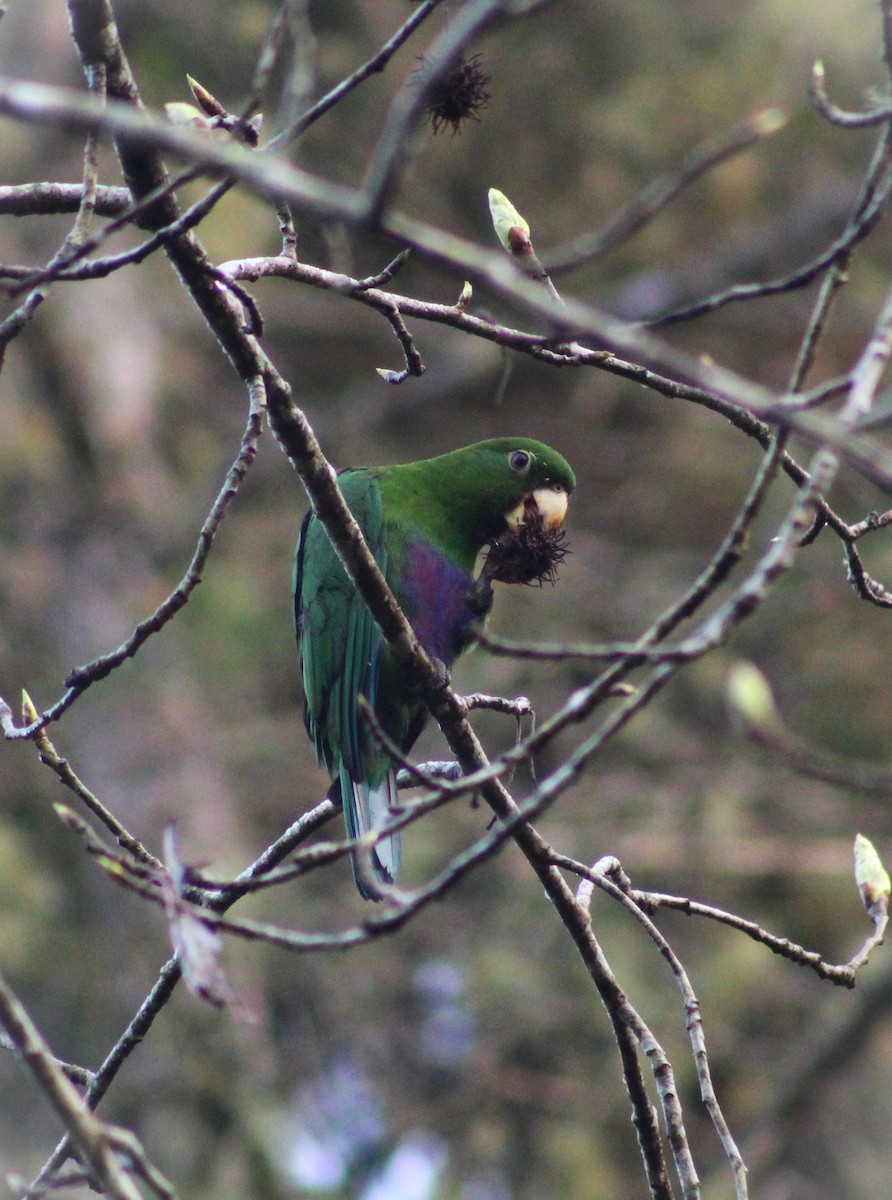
{"type": "Point", "coordinates": [549, 502]}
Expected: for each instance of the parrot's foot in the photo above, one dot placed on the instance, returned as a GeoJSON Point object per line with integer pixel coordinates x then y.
{"type": "Point", "coordinates": [432, 687]}
{"type": "Point", "coordinates": [441, 680]}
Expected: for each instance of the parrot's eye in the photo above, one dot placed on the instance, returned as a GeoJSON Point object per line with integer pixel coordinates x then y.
{"type": "Point", "coordinates": [519, 461]}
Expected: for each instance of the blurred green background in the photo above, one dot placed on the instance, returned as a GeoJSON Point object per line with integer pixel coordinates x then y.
{"type": "Point", "coordinates": [467, 1056]}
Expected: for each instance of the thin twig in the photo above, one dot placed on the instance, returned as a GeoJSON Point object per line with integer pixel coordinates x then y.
{"type": "Point", "coordinates": [62, 769]}
{"type": "Point", "coordinates": [603, 875]}
{"type": "Point", "coordinates": [89, 1135]}
{"type": "Point", "coordinates": [413, 360]}
{"type": "Point", "coordinates": [840, 975]}
{"type": "Point", "coordinates": [373, 66]}
{"type": "Point", "coordinates": [664, 1076]}
{"type": "Point", "coordinates": [840, 116]}
{"type": "Point", "coordinates": [83, 677]}
{"type": "Point", "coordinates": [854, 233]}
{"type": "Point", "coordinates": [391, 147]}
{"type": "Point", "coordinates": [658, 194]}
{"type": "Point", "coordinates": [270, 176]}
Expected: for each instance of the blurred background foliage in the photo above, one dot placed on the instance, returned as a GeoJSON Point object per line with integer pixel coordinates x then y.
{"type": "Point", "coordinates": [467, 1056]}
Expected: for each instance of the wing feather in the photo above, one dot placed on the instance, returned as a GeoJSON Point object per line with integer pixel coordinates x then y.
{"type": "Point", "coordinates": [340, 652]}
{"type": "Point", "coordinates": [338, 641]}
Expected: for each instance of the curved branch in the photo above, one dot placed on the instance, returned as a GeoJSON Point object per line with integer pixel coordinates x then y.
{"type": "Point", "coordinates": [839, 116]}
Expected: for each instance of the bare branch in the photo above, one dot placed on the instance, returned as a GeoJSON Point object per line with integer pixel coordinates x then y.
{"type": "Point", "coordinates": [389, 154]}
{"type": "Point", "coordinates": [43, 199]}
{"type": "Point", "coordinates": [89, 1135]}
{"type": "Point", "coordinates": [272, 177]}
{"type": "Point", "coordinates": [414, 364]}
{"type": "Point", "coordinates": [854, 233]}
{"type": "Point", "coordinates": [561, 332]}
{"type": "Point", "coordinates": [603, 875]}
{"type": "Point", "coordinates": [62, 768]}
{"type": "Point", "coordinates": [839, 116]}
{"type": "Point", "coordinates": [659, 194]}
{"type": "Point", "coordinates": [373, 66]}
{"type": "Point", "coordinates": [842, 976]}
{"type": "Point", "coordinates": [83, 677]}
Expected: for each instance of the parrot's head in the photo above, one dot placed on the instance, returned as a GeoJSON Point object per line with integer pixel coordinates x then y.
{"type": "Point", "coordinates": [505, 484]}
{"type": "Point", "coordinates": [530, 542]}
{"type": "Point", "coordinates": [501, 490]}
{"type": "Point", "coordinates": [516, 482]}
{"type": "Point", "coordinates": [547, 480]}
{"type": "Point", "coordinates": [514, 494]}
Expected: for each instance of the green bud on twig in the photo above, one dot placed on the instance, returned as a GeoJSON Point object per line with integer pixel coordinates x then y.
{"type": "Point", "coordinates": [29, 712]}
{"type": "Point", "coordinates": [511, 229]}
{"type": "Point", "coordinates": [871, 877]}
{"type": "Point", "coordinates": [208, 103]}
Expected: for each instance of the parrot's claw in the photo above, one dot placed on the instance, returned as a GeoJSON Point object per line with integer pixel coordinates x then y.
{"type": "Point", "coordinates": [441, 679]}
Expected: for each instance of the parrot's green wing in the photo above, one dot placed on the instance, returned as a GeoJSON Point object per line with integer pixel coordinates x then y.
{"type": "Point", "coordinates": [340, 652]}
{"type": "Point", "coordinates": [338, 641]}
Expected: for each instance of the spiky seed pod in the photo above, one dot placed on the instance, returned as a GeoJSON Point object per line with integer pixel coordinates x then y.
{"type": "Point", "coordinates": [459, 96]}
{"type": "Point", "coordinates": [530, 555]}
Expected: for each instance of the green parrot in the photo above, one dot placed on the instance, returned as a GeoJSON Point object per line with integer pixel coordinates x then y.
{"type": "Point", "coordinates": [425, 523]}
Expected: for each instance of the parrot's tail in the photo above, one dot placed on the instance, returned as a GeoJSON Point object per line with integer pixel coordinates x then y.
{"type": "Point", "coordinates": [368, 807]}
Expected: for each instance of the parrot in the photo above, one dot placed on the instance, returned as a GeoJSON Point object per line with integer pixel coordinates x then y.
{"type": "Point", "coordinates": [425, 524]}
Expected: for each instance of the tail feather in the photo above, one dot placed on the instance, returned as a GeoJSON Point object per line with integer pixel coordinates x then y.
{"type": "Point", "coordinates": [367, 808]}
